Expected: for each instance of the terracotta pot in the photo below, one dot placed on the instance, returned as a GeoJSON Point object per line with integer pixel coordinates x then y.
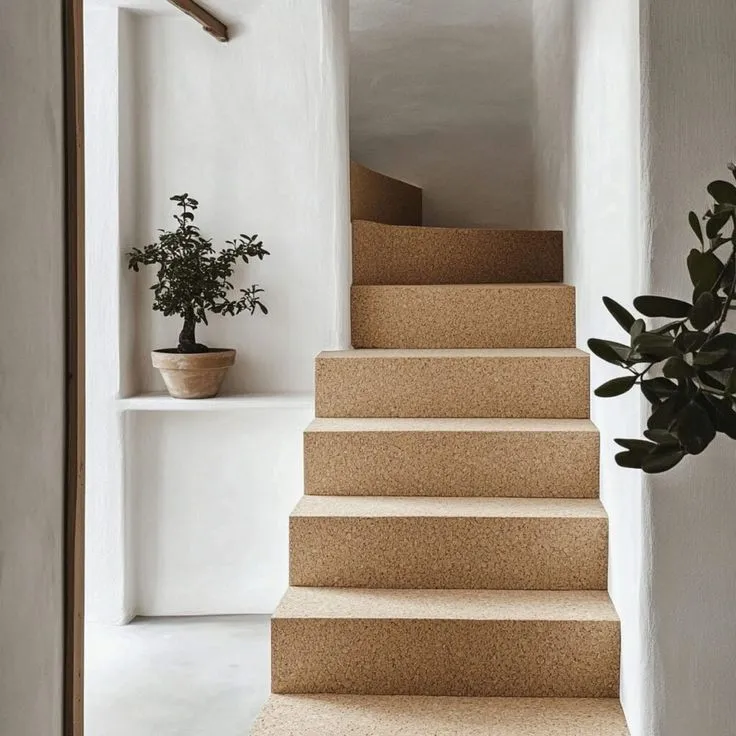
{"type": "Point", "coordinates": [193, 375]}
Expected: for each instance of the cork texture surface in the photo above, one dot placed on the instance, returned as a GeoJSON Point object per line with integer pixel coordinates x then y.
{"type": "Point", "coordinates": [452, 457]}
{"type": "Point", "coordinates": [380, 198]}
{"type": "Point", "coordinates": [538, 383]}
{"type": "Point", "coordinates": [386, 254]}
{"type": "Point", "coordinates": [449, 543]}
{"type": "Point", "coordinates": [459, 643]}
{"type": "Point", "coordinates": [463, 316]}
{"type": "Point", "coordinates": [350, 715]}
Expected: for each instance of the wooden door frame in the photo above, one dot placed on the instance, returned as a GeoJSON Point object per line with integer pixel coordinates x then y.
{"type": "Point", "coordinates": [73, 679]}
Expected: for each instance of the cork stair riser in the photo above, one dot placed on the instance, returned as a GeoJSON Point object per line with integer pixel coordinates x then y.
{"type": "Point", "coordinates": [342, 715]}
{"type": "Point", "coordinates": [550, 383]}
{"type": "Point", "coordinates": [389, 254]}
{"type": "Point", "coordinates": [463, 316]}
{"type": "Point", "coordinates": [448, 543]}
{"type": "Point", "coordinates": [457, 643]}
{"type": "Point", "coordinates": [452, 457]}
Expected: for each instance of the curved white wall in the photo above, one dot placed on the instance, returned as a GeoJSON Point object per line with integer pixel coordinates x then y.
{"type": "Point", "coordinates": [690, 68]}
{"type": "Point", "coordinates": [441, 96]}
{"type": "Point", "coordinates": [188, 511]}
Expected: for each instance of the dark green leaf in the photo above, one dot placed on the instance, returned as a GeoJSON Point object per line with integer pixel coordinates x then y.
{"type": "Point", "coordinates": [661, 437]}
{"type": "Point", "coordinates": [694, 428]}
{"type": "Point", "coordinates": [705, 269]}
{"type": "Point", "coordinates": [708, 358]}
{"type": "Point", "coordinates": [662, 306]}
{"type": "Point", "coordinates": [677, 368]}
{"type": "Point", "coordinates": [624, 318]}
{"type": "Point", "coordinates": [611, 352]}
{"type": "Point", "coordinates": [636, 445]}
{"type": "Point", "coordinates": [633, 460]}
{"type": "Point", "coordinates": [658, 389]}
{"type": "Point", "coordinates": [704, 312]}
{"type": "Point", "coordinates": [695, 225]}
{"type": "Point", "coordinates": [658, 347]}
{"type": "Point", "coordinates": [723, 192]}
{"type": "Point", "coordinates": [637, 328]}
{"type": "Point", "coordinates": [615, 387]}
{"type": "Point", "coordinates": [662, 459]}
{"type": "Point", "coordinates": [664, 415]}
{"type": "Point", "coordinates": [687, 342]}
{"type": "Point", "coordinates": [716, 223]}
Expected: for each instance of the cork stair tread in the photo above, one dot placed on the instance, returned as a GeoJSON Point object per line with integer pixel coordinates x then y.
{"type": "Point", "coordinates": [446, 605]}
{"type": "Point", "coordinates": [400, 254]}
{"type": "Point", "coordinates": [449, 424]}
{"type": "Point", "coordinates": [360, 715]}
{"type": "Point", "coordinates": [463, 316]}
{"type": "Point", "coordinates": [418, 507]}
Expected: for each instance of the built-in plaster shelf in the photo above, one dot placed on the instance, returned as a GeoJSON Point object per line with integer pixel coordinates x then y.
{"type": "Point", "coordinates": [232, 402]}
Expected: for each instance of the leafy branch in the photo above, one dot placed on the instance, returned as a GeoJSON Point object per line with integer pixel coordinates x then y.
{"type": "Point", "coordinates": [192, 278]}
{"type": "Point", "coordinates": [693, 390]}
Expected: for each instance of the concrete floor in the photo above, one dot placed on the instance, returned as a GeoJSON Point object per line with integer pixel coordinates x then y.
{"type": "Point", "coordinates": [176, 676]}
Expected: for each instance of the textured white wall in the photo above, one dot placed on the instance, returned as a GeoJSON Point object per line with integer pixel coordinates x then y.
{"type": "Point", "coordinates": [107, 564]}
{"type": "Point", "coordinates": [256, 129]}
{"type": "Point", "coordinates": [690, 65]}
{"type": "Point", "coordinates": [252, 129]}
{"type": "Point", "coordinates": [31, 368]}
{"type": "Point", "coordinates": [587, 143]}
{"type": "Point", "coordinates": [441, 95]}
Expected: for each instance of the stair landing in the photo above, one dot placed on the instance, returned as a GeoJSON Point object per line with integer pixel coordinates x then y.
{"type": "Point", "coordinates": [341, 715]}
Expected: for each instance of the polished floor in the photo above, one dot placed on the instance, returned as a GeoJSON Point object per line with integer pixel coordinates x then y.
{"type": "Point", "coordinates": [176, 676]}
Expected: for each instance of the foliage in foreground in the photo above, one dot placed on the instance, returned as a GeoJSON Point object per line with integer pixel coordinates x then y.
{"type": "Point", "coordinates": [685, 367]}
{"type": "Point", "coordinates": [192, 279]}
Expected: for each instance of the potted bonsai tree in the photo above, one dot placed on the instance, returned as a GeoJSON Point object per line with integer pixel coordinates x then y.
{"type": "Point", "coordinates": [192, 280]}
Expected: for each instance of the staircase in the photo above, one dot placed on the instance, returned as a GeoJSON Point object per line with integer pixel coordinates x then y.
{"type": "Point", "coordinates": [448, 563]}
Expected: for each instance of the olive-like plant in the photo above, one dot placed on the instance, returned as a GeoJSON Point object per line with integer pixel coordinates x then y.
{"type": "Point", "coordinates": [192, 279]}
{"type": "Point", "coordinates": [692, 391]}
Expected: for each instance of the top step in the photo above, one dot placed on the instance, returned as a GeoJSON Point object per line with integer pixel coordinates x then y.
{"type": "Point", "coordinates": [400, 254]}
{"type": "Point", "coordinates": [380, 198]}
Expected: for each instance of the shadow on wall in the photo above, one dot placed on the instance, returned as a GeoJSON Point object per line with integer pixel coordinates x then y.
{"type": "Point", "coordinates": [443, 98]}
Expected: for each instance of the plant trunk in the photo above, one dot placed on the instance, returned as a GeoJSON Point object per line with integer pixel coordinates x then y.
{"type": "Point", "coordinates": [187, 339]}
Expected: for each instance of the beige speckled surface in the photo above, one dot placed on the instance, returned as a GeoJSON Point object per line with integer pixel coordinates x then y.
{"type": "Point", "coordinates": [452, 457]}
{"type": "Point", "coordinates": [389, 254]}
{"type": "Point", "coordinates": [544, 383]}
{"type": "Point", "coordinates": [463, 643]}
{"type": "Point", "coordinates": [548, 544]}
{"type": "Point", "coordinates": [463, 316]}
{"type": "Point", "coordinates": [451, 605]}
{"type": "Point", "coordinates": [380, 198]}
{"type": "Point", "coordinates": [351, 715]}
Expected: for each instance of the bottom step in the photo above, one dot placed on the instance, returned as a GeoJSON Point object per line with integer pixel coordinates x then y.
{"type": "Point", "coordinates": [358, 715]}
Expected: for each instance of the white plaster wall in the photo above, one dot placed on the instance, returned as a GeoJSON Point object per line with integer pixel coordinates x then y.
{"type": "Point", "coordinates": [588, 183]}
{"type": "Point", "coordinates": [31, 367]}
{"type": "Point", "coordinates": [107, 564]}
{"type": "Point", "coordinates": [690, 67]}
{"type": "Point", "coordinates": [256, 129]}
{"type": "Point", "coordinates": [441, 96]}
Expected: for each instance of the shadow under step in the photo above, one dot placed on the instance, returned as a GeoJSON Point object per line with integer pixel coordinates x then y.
{"type": "Point", "coordinates": [463, 316]}
{"type": "Point", "coordinates": [534, 383]}
{"type": "Point", "coordinates": [477, 643]}
{"type": "Point", "coordinates": [486, 543]}
{"type": "Point", "coordinates": [366, 715]}
{"type": "Point", "coordinates": [532, 458]}
{"type": "Point", "coordinates": [396, 254]}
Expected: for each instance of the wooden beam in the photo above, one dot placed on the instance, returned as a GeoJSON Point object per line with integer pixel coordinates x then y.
{"type": "Point", "coordinates": [74, 280]}
{"type": "Point", "coordinates": [208, 21]}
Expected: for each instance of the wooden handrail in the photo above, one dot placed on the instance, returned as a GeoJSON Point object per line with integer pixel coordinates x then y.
{"type": "Point", "coordinates": [208, 21]}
